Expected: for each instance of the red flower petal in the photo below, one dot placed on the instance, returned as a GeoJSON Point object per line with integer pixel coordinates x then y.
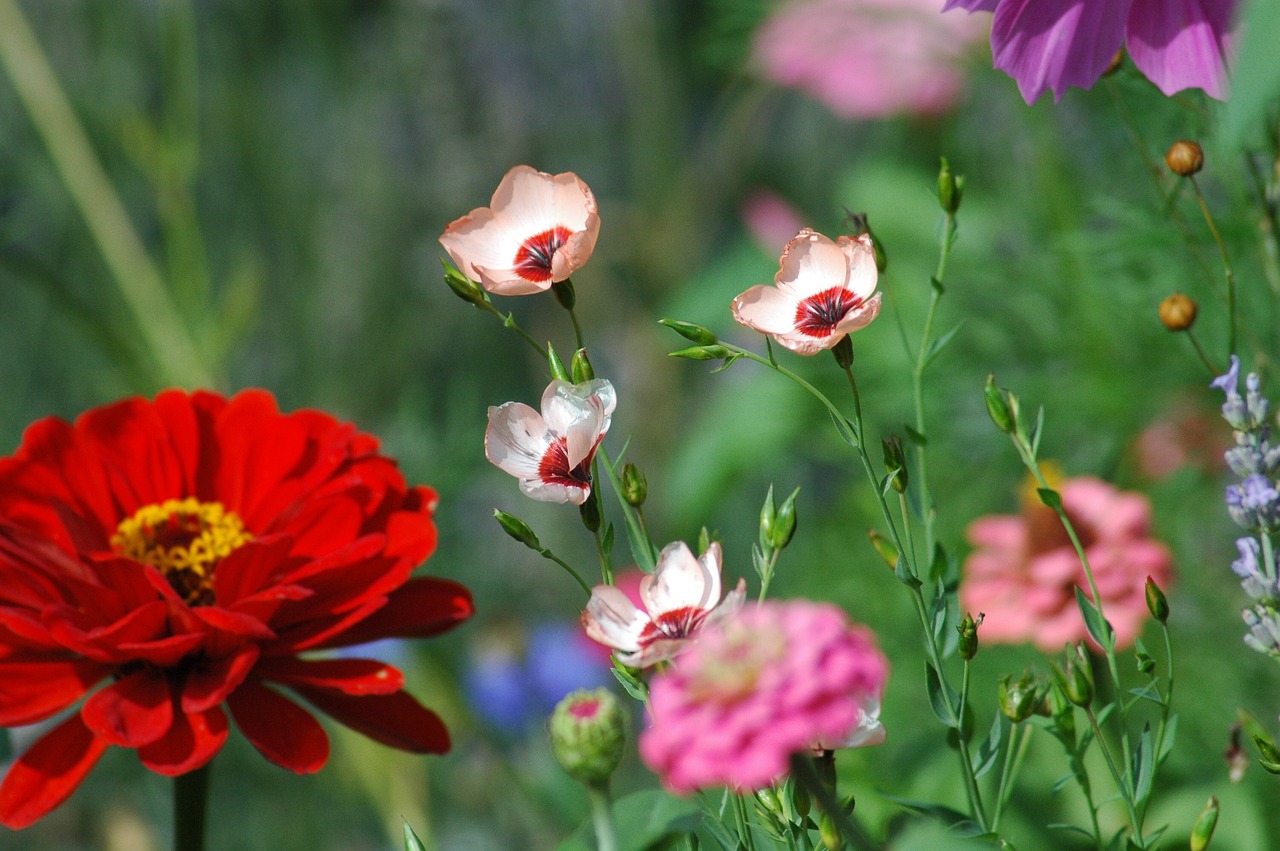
{"type": "Point", "coordinates": [420, 608]}
{"type": "Point", "coordinates": [209, 683]}
{"type": "Point", "coordinates": [34, 689]}
{"type": "Point", "coordinates": [393, 719]}
{"type": "Point", "coordinates": [48, 773]}
{"type": "Point", "coordinates": [349, 676]}
{"type": "Point", "coordinates": [192, 741]}
{"type": "Point", "coordinates": [132, 712]}
{"type": "Point", "coordinates": [280, 729]}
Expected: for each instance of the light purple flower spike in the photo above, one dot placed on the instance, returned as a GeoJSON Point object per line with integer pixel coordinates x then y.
{"type": "Point", "coordinates": [1055, 44]}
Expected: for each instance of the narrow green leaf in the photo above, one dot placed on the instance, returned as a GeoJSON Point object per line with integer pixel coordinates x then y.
{"type": "Point", "coordinates": [938, 694]}
{"type": "Point", "coordinates": [946, 815]}
{"type": "Point", "coordinates": [989, 749]}
{"type": "Point", "coordinates": [915, 437]}
{"type": "Point", "coordinates": [1051, 498]}
{"type": "Point", "coordinates": [641, 549]}
{"type": "Point", "coordinates": [938, 344]}
{"type": "Point", "coordinates": [1093, 620]}
{"type": "Point", "coordinates": [845, 429]}
{"type": "Point", "coordinates": [411, 840]}
{"type": "Point", "coordinates": [1143, 766]}
{"type": "Point", "coordinates": [1170, 735]}
{"type": "Point", "coordinates": [1036, 432]}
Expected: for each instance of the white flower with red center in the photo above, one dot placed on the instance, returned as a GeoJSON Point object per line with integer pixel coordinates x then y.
{"type": "Point", "coordinates": [551, 452]}
{"type": "Point", "coordinates": [538, 230]}
{"type": "Point", "coordinates": [680, 597]}
{"type": "Point", "coordinates": [822, 292]}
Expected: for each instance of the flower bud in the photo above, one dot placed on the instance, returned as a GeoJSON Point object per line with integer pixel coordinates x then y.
{"type": "Point", "coordinates": [968, 630]}
{"type": "Point", "coordinates": [895, 462]}
{"type": "Point", "coordinates": [564, 294]}
{"type": "Point", "coordinates": [711, 352]}
{"type": "Point", "coordinates": [950, 188]}
{"type": "Point", "coordinates": [1184, 158]}
{"type": "Point", "coordinates": [518, 529]}
{"type": "Point", "coordinates": [558, 372]}
{"type": "Point", "coordinates": [588, 735]}
{"type": "Point", "coordinates": [884, 547]}
{"type": "Point", "coordinates": [1178, 312]}
{"type": "Point", "coordinates": [997, 405]}
{"type": "Point", "coordinates": [1202, 833]}
{"type": "Point", "coordinates": [635, 487]}
{"type": "Point", "coordinates": [768, 800]}
{"type": "Point", "coordinates": [693, 333]}
{"type": "Point", "coordinates": [829, 833]}
{"type": "Point", "coordinates": [580, 367]}
{"type": "Point", "coordinates": [1156, 602]}
{"type": "Point", "coordinates": [1076, 678]}
{"type": "Point", "coordinates": [462, 286]}
{"type": "Point", "coordinates": [590, 512]}
{"type": "Point", "coordinates": [1021, 698]}
{"type": "Point", "coordinates": [784, 523]}
{"type": "Point", "coordinates": [843, 353]}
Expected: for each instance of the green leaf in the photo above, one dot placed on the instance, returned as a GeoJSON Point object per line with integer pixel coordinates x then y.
{"type": "Point", "coordinates": [645, 820]}
{"type": "Point", "coordinates": [845, 429]}
{"type": "Point", "coordinates": [606, 541]}
{"type": "Point", "coordinates": [1170, 734]}
{"type": "Point", "coordinates": [914, 436]}
{"type": "Point", "coordinates": [1093, 620]}
{"type": "Point", "coordinates": [1070, 828]}
{"type": "Point", "coordinates": [1052, 499]}
{"type": "Point", "coordinates": [1036, 432]}
{"type": "Point", "coordinates": [946, 815]}
{"type": "Point", "coordinates": [1143, 766]}
{"type": "Point", "coordinates": [904, 574]}
{"type": "Point", "coordinates": [985, 758]}
{"type": "Point", "coordinates": [411, 840]}
{"type": "Point", "coordinates": [641, 549]}
{"type": "Point", "coordinates": [941, 342]}
{"type": "Point", "coordinates": [938, 697]}
{"type": "Point", "coordinates": [630, 680]}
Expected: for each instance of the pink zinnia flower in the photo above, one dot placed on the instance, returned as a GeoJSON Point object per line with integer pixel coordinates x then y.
{"type": "Point", "coordinates": [551, 453]}
{"type": "Point", "coordinates": [537, 231]}
{"type": "Point", "coordinates": [867, 58]}
{"type": "Point", "coordinates": [778, 679]}
{"type": "Point", "coordinates": [1024, 571]}
{"type": "Point", "coordinates": [681, 596]}
{"type": "Point", "coordinates": [1053, 44]}
{"type": "Point", "coordinates": [823, 291]}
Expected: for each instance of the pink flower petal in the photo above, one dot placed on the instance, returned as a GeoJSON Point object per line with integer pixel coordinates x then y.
{"type": "Point", "coordinates": [1181, 44]}
{"type": "Point", "coordinates": [1055, 44]}
{"type": "Point", "coordinates": [613, 620]}
{"type": "Point", "coordinates": [516, 439]}
{"type": "Point", "coordinates": [681, 581]}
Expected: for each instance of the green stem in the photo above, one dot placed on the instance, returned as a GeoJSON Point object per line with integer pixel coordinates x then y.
{"type": "Point", "coordinates": [744, 822]}
{"type": "Point", "coordinates": [1204, 356]}
{"type": "Point", "coordinates": [602, 817]}
{"type": "Point", "coordinates": [138, 280]}
{"type": "Point", "coordinates": [766, 575]}
{"type": "Point", "coordinates": [806, 775]}
{"type": "Point", "coordinates": [1116, 775]}
{"type": "Point", "coordinates": [606, 568]}
{"type": "Point", "coordinates": [1226, 265]}
{"type": "Point", "coordinates": [190, 804]}
{"type": "Point", "coordinates": [927, 509]}
{"type": "Point", "coordinates": [1014, 754]}
{"type": "Point", "coordinates": [547, 554]}
{"type": "Point", "coordinates": [508, 320]}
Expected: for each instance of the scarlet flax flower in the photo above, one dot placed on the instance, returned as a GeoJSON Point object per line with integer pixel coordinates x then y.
{"type": "Point", "coordinates": [1055, 44]}
{"type": "Point", "coordinates": [822, 292]}
{"type": "Point", "coordinates": [680, 597]}
{"type": "Point", "coordinates": [1024, 571]}
{"type": "Point", "coordinates": [538, 230]}
{"type": "Point", "coordinates": [551, 452]}
{"type": "Point", "coordinates": [778, 679]}
{"type": "Point", "coordinates": [183, 553]}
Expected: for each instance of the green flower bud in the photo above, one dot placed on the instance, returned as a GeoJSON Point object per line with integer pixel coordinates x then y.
{"type": "Point", "coordinates": [588, 735]}
{"type": "Point", "coordinates": [635, 487]}
{"type": "Point", "coordinates": [693, 333]}
{"type": "Point", "coordinates": [884, 548]}
{"type": "Point", "coordinates": [768, 800]}
{"type": "Point", "coordinates": [950, 188]}
{"type": "Point", "coordinates": [712, 352]}
{"type": "Point", "coordinates": [462, 286]}
{"type": "Point", "coordinates": [830, 834]}
{"type": "Point", "coordinates": [590, 512]}
{"type": "Point", "coordinates": [784, 524]}
{"type": "Point", "coordinates": [998, 405]}
{"type": "Point", "coordinates": [1202, 833]}
{"type": "Point", "coordinates": [1021, 698]}
{"type": "Point", "coordinates": [580, 367]}
{"type": "Point", "coordinates": [843, 352]}
{"type": "Point", "coordinates": [768, 517]}
{"type": "Point", "coordinates": [968, 630]}
{"type": "Point", "coordinates": [895, 462]}
{"type": "Point", "coordinates": [1076, 677]}
{"type": "Point", "coordinates": [518, 529]}
{"type": "Point", "coordinates": [1156, 602]}
{"type": "Point", "coordinates": [558, 372]}
{"type": "Point", "coordinates": [564, 294]}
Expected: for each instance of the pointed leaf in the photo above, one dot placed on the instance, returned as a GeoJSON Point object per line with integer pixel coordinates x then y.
{"type": "Point", "coordinates": [845, 429]}
{"type": "Point", "coordinates": [941, 342]}
{"type": "Point", "coordinates": [1093, 620]}
{"type": "Point", "coordinates": [939, 693]}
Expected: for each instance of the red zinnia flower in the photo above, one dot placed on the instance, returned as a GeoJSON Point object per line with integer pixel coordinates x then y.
{"type": "Point", "coordinates": [187, 550]}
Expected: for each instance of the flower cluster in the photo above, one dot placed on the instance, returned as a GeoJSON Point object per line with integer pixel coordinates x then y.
{"type": "Point", "coordinates": [185, 551]}
{"type": "Point", "coordinates": [1254, 504]}
{"type": "Point", "coordinates": [779, 679]}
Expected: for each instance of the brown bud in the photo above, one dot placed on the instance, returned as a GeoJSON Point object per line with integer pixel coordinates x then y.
{"type": "Point", "coordinates": [1178, 312]}
{"type": "Point", "coordinates": [1184, 158]}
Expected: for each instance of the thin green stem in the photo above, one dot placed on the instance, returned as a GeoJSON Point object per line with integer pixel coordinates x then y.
{"type": "Point", "coordinates": [547, 554]}
{"type": "Point", "coordinates": [927, 509]}
{"type": "Point", "coordinates": [1204, 356]}
{"type": "Point", "coordinates": [802, 769]}
{"type": "Point", "coordinates": [137, 278]}
{"type": "Point", "coordinates": [1014, 754]}
{"type": "Point", "coordinates": [1226, 265]}
{"type": "Point", "coordinates": [190, 806]}
{"type": "Point", "coordinates": [606, 567]}
{"type": "Point", "coordinates": [508, 320]}
{"type": "Point", "coordinates": [602, 817]}
{"type": "Point", "coordinates": [1116, 775]}
{"type": "Point", "coordinates": [766, 575]}
{"type": "Point", "coordinates": [744, 822]}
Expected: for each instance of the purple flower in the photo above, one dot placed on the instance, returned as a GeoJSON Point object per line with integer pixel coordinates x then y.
{"type": "Point", "coordinates": [1229, 380]}
{"type": "Point", "coordinates": [1053, 44]}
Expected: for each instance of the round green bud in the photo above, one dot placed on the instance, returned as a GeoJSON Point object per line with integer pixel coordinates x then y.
{"type": "Point", "coordinates": [588, 735]}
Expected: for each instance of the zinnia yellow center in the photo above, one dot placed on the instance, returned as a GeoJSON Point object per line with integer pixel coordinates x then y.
{"type": "Point", "coordinates": [185, 539]}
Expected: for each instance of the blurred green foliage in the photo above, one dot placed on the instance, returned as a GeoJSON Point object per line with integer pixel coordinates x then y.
{"type": "Point", "coordinates": [289, 166]}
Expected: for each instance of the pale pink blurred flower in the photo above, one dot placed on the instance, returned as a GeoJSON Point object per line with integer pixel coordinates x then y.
{"type": "Point", "coordinates": [822, 292]}
{"type": "Point", "coordinates": [770, 218]}
{"type": "Point", "coordinates": [538, 230]}
{"type": "Point", "coordinates": [774, 681]}
{"type": "Point", "coordinates": [1181, 437]}
{"type": "Point", "coordinates": [1024, 571]}
{"type": "Point", "coordinates": [551, 452]}
{"type": "Point", "coordinates": [868, 58]}
{"type": "Point", "coordinates": [680, 597]}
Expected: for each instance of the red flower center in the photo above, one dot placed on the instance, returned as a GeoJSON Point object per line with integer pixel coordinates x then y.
{"type": "Point", "coordinates": [533, 259]}
{"type": "Point", "coordinates": [553, 469]}
{"type": "Point", "coordinates": [818, 315]}
{"type": "Point", "coordinates": [184, 539]}
{"type": "Point", "coordinates": [677, 623]}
